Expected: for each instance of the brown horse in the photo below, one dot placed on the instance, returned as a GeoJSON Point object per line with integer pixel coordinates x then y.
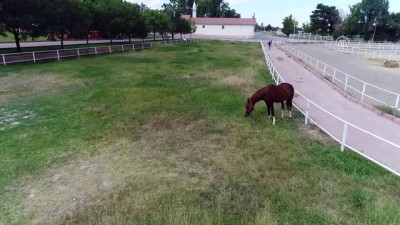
{"type": "Point", "coordinates": [270, 94]}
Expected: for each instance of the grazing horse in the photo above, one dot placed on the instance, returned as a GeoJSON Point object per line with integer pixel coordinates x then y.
{"type": "Point", "coordinates": [270, 94]}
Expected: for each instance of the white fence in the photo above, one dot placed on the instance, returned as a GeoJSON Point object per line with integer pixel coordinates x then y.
{"type": "Point", "coordinates": [346, 136]}
{"type": "Point", "coordinates": [357, 88]}
{"type": "Point", "coordinates": [77, 52]}
{"type": "Point", "coordinates": [308, 38]}
{"type": "Point", "coordinates": [386, 51]}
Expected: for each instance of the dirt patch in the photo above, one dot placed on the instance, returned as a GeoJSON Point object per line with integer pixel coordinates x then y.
{"type": "Point", "coordinates": [313, 132]}
{"type": "Point", "coordinates": [170, 150]}
{"type": "Point", "coordinates": [14, 85]}
{"type": "Point", "coordinates": [380, 65]}
{"type": "Point", "coordinates": [241, 80]}
{"type": "Point", "coordinates": [10, 119]}
{"type": "Point", "coordinates": [391, 64]}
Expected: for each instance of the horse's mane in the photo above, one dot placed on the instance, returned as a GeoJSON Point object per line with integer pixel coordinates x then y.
{"type": "Point", "coordinates": [257, 96]}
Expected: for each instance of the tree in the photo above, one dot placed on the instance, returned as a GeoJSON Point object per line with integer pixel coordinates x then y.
{"type": "Point", "coordinates": [324, 19]}
{"type": "Point", "coordinates": [87, 15]}
{"type": "Point", "coordinates": [393, 27]}
{"type": "Point", "coordinates": [352, 24]}
{"type": "Point", "coordinates": [107, 17]}
{"type": "Point", "coordinates": [215, 8]}
{"type": "Point", "coordinates": [268, 27]}
{"type": "Point", "coordinates": [62, 18]}
{"type": "Point", "coordinates": [141, 30]}
{"type": "Point", "coordinates": [183, 27]}
{"type": "Point", "coordinates": [22, 17]}
{"type": "Point", "coordinates": [374, 15]}
{"type": "Point", "coordinates": [130, 15]}
{"type": "Point", "coordinates": [157, 21]}
{"type": "Point", "coordinates": [288, 25]}
{"type": "Point", "coordinates": [227, 12]}
{"type": "Point", "coordinates": [306, 27]}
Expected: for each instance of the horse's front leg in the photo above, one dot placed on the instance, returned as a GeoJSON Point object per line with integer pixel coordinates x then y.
{"type": "Point", "coordinates": [283, 108]}
{"type": "Point", "coordinates": [268, 109]}
{"type": "Point", "coordinates": [273, 113]}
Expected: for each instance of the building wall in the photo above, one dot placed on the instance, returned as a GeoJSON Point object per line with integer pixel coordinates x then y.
{"type": "Point", "coordinates": [229, 30]}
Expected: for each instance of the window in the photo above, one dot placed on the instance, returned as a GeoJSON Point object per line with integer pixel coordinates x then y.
{"type": "Point", "coordinates": [223, 27]}
{"type": "Point", "coordinates": [204, 26]}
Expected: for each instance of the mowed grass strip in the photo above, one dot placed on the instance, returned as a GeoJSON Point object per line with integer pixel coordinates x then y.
{"type": "Point", "coordinates": [159, 137]}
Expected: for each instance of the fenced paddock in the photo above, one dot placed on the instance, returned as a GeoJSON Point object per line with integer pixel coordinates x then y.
{"type": "Point", "coordinates": [344, 132]}
{"type": "Point", "coordinates": [35, 56]}
{"type": "Point", "coordinates": [359, 89]}
{"type": "Point", "coordinates": [380, 51]}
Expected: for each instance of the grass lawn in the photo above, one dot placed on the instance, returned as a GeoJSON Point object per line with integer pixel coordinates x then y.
{"type": "Point", "coordinates": [9, 37]}
{"type": "Point", "coordinates": [159, 137]}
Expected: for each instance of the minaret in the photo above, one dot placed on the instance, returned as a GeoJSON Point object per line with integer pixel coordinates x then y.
{"type": "Point", "coordinates": [194, 14]}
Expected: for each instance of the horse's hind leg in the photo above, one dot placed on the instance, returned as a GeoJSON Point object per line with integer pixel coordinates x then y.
{"type": "Point", "coordinates": [289, 107]}
{"type": "Point", "coordinates": [283, 108]}
{"type": "Point", "coordinates": [273, 113]}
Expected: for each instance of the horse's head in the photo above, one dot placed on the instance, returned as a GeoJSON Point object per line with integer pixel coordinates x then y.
{"type": "Point", "coordinates": [249, 107]}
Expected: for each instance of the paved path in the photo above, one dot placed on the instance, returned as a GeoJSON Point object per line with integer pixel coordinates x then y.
{"type": "Point", "coordinates": [322, 93]}
{"type": "Point", "coordinates": [368, 70]}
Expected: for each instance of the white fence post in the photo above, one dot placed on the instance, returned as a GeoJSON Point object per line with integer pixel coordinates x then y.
{"type": "Point", "coordinates": [4, 60]}
{"type": "Point", "coordinates": [324, 70]}
{"type": "Point", "coordinates": [58, 55]}
{"type": "Point", "coordinates": [122, 47]}
{"type": "Point", "coordinates": [95, 50]}
{"type": "Point", "coordinates": [334, 76]}
{"type": "Point", "coordinates": [34, 58]}
{"type": "Point", "coordinates": [307, 111]}
{"type": "Point", "coordinates": [396, 105]}
{"type": "Point", "coordinates": [142, 46]}
{"type": "Point", "coordinates": [316, 67]}
{"type": "Point", "coordinates": [363, 93]}
{"type": "Point", "coordinates": [133, 47]}
{"type": "Point", "coordinates": [345, 84]}
{"type": "Point", "coordinates": [151, 44]}
{"type": "Point", "coordinates": [79, 54]}
{"type": "Point", "coordinates": [344, 137]}
{"type": "Point", "coordinates": [109, 47]}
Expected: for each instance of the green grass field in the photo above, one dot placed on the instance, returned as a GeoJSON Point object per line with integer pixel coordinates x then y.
{"type": "Point", "coordinates": [159, 137]}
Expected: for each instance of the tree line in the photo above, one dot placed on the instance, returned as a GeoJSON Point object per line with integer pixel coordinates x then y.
{"type": "Point", "coordinates": [368, 19]}
{"type": "Point", "coordinates": [76, 18]}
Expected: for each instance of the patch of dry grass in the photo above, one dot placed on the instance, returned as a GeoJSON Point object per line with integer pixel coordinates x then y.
{"type": "Point", "coordinates": [170, 150]}
{"type": "Point", "coordinates": [242, 80]}
{"type": "Point", "coordinates": [14, 85]}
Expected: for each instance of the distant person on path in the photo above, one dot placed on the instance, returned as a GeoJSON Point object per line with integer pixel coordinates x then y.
{"type": "Point", "coordinates": [269, 44]}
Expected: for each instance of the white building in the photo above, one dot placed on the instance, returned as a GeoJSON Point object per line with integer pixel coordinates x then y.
{"type": "Point", "coordinates": [222, 27]}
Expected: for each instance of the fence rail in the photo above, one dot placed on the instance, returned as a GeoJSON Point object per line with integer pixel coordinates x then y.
{"type": "Point", "coordinates": [385, 51]}
{"type": "Point", "coordinates": [322, 118]}
{"type": "Point", "coordinates": [357, 88]}
{"type": "Point", "coordinates": [6, 59]}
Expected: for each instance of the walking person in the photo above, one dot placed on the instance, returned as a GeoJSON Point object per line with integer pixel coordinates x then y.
{"type": "Point", "coordinates": [269, 44]}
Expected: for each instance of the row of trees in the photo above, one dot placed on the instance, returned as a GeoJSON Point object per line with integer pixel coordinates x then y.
{"type": "Point", "coordinates": [205, 8]}
{"type": "Point", "coordinates": [76, 18]}
{"type": "Point", "coordinates": [367, 19]}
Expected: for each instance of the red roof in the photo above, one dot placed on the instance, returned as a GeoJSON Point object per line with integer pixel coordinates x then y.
{"type": "Point", "coordinates": [224, 21]}
{"type": "Point", "coordinates": [186, 17]}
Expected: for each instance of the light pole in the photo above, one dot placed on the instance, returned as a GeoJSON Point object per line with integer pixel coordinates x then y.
{"type": "Point", "coordinates": [294, 27]}
{"type": "Point", "coordinates": [373, 36]}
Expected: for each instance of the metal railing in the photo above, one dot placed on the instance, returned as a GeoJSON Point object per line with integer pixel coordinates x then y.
{"type": "Point", "coordinates": [322, 118]}
{"type": "Point", "coordinates": [385, 51]}
{"type": "Point", "coordinates": [35, 56]}
{"type": "Point", "coordinates": [363, 91]}
{"type": "Point", "coordinates": [308, 39]}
